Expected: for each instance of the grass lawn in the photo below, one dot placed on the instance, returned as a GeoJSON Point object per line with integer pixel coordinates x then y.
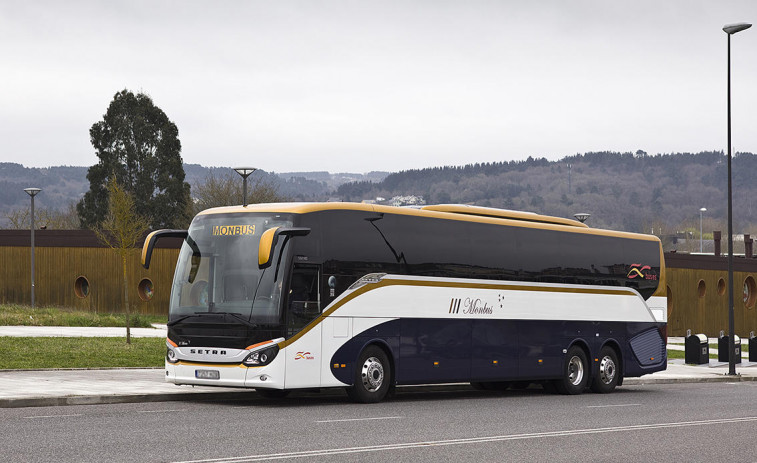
{"type": "Point", "coordinates": [14, 314]}
{"type": "Point", "coordinates": [744, 346]}
{"type": "Point", "coordinates": [27, 353]}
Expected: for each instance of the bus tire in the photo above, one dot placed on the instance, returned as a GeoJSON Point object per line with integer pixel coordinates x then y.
{"type": "Point", "coordinates": [606, 376]}
{"type": "Point", "coordinates": [373, 376]}
{"type": "Point", "coordinates": [575, 372]}
{"type": "Point", "coordinates": [272, 393]}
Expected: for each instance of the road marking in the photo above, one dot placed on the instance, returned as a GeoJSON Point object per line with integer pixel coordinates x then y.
{"type": "Point", "coordinates": [618, 405]}
{"type": "Point", "coordinates": [161, 411]}
{"type": "Point", "coordinates": [362, 419]}
{"type": "Point", "coordinates": [51, 416]}
{"type": "Point", "coordinates": [471, 440]}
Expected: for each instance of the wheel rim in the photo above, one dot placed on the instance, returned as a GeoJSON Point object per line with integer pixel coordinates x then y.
{"type": "Point", "coordinates": [607, 370]}
{"type": "Point", "coordinates": [372, 374]}
{"type": "Point", "coordinates": [575, 370]}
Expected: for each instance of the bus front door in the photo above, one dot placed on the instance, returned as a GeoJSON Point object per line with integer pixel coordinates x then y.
{"type": "Point", "coordinates": [303, 303]}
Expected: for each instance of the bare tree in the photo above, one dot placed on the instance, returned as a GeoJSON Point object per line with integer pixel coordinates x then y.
{"type": "Point", "coordinates": [122, 229]}
{"type": "Point", "coordinates": [226, 190]}
{"type": "Point", "coordinates": [50, 219]}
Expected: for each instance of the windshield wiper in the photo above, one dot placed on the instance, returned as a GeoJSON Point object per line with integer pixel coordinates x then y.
{"type": "Point", "coordinates": [202, 314]}
{"type": "Point", "coordinates": [238, 317]}
{"type": "Point", "coordinates": [173, 322]}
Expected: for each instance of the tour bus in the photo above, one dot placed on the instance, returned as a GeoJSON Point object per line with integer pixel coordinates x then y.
{"type": "Point", "coordinates": [279, 297]}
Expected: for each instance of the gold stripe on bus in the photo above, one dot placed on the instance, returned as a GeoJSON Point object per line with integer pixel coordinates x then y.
{"type": "Point", "coordinates": [189, 363]}
{"type": "Point", "coordinates": [448, 284]}
{"type": "Point", "coordinates": [662, 286]}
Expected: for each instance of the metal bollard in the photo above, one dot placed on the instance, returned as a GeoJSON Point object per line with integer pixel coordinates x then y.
{"type": "Point", "coordinates": [752, 347]}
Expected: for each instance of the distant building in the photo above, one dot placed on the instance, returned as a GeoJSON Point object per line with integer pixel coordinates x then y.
{"type": "Point", "coordinates": [409, 200]}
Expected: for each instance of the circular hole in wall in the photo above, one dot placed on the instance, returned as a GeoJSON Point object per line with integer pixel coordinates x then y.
{"type": "Point", "coordinates": [721, 286]}
{"type": "Point", "coordinates": [145, 289]}
{"type": "Point", "coordinates": [701, 288]}
{"type": "Point", "coordinates": [81, 287]}
{"type": "Point", "coordinates": [750, 291]}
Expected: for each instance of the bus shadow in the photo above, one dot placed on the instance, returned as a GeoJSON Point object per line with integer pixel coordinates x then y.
{"type": "Point", "coordinates": [299, 399]}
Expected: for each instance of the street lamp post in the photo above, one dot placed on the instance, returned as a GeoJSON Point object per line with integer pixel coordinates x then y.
{"type": "Point", "coordinates": [701, 211]}
{"type": "Point", "coordinates": [731, 29]}
{"type": "Point", "coordinates": [244, 172]}
{"type": "Point", "coordinates": [32, 192]}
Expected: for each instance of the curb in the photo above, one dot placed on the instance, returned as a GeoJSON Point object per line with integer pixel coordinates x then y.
{"type": "Point", "coordinates": [250, 395]}
{"type": "Point", "coordinates": [114, 399]}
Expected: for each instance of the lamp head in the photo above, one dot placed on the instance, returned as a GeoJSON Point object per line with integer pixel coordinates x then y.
{"type": "Point", "coordinates": [704, 209]}
{"type": "Point", "coordinates": [731, 29]}
{"type": "Point", "coordinates": [582, 216]}
{"type": "Point", "coordinates": [32, 191]}
{"type": "Point", "coordinates": [245, 171]}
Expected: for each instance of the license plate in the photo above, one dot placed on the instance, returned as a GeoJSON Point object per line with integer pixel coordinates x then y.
{"type": "Point", "coordinates": [207, 374]}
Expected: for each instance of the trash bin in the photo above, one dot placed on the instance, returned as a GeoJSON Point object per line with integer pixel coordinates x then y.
{"type": "Point", "coordinates": [752, 347]}
{"type": "Point", "coordinates": [697, 349]}
{"type": "Point", "coordinates": [723, 353]}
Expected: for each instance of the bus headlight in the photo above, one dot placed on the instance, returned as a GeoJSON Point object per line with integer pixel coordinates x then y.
{"type": "Point", "coordinates": [261, 357]}
{"type": "Point", "coordinates": [171, 356]}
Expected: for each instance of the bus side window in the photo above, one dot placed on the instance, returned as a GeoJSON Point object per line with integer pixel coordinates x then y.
{"type": "Point", "coordinates": [303, 302]}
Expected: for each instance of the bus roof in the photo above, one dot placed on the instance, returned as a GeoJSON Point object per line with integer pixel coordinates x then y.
{"type": "Point", "coordinates": [442, 211]}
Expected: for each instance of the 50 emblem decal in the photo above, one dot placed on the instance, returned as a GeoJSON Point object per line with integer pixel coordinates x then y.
{"type": "Point", "coordinates": [644, 272]}
{"type": "Point", "coordinates": [303, 356]}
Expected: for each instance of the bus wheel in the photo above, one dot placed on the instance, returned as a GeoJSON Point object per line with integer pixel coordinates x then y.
{"type": "Point", "coordinates": [575, 372]}
{"type": "Point", "coordinates": [372, 376]}
{"type": "Point", "coordinates": [606, 377]}
{"type": "Point", "coordinates": [272, 393]}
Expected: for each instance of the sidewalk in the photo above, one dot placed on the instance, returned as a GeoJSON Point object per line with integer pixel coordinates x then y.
{"type": "Point", "coordinates": [158, 331]}
{"type": "Point", "coordinates": [36, 388]}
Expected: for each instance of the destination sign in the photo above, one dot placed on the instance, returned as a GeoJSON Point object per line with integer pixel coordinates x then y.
{"type": "Point", "coordinates": [233, 230]}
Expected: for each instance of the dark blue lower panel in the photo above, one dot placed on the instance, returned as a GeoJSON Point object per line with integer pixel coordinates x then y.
{"type": "Point", "coordinates": [444, 350]}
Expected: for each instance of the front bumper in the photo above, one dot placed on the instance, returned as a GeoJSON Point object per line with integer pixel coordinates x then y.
{"type": "Point", "coordinates": [270, 376]}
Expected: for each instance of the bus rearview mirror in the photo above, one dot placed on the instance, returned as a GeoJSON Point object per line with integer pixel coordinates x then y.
{"type": "Point", "coordinates": [269, 239]}
{"type": "Point", "coordinates": [153, 237]}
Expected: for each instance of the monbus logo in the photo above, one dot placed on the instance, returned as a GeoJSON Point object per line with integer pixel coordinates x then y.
{"type": "Point", "coordinates": [470, 306]}
{"type": "Point", "coordinates": [233, 230]}
{"type": "Point", "coordinates": [644, 272]}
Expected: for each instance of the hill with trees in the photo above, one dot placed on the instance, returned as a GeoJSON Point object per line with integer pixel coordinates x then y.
{"type": "Point", "coordinates": [622, 191]}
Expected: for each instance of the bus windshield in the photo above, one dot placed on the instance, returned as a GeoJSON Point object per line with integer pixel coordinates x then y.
{"type": "Point", "coordinates": [217, 270]}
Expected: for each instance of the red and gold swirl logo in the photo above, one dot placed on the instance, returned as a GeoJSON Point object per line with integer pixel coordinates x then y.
{"type": "Point", "coordinates": [643, 272]}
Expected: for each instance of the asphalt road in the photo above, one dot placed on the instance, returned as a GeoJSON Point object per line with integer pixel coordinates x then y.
{"type": "Point", "coordinates": [673, 422]}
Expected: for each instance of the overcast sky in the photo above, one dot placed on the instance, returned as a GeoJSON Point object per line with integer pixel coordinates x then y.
{"type": "Point", "coordinates": [379, 85]}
